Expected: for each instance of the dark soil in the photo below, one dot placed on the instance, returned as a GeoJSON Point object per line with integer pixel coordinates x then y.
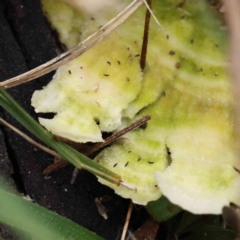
{"type": "Point", "coordinates": [25, 43]}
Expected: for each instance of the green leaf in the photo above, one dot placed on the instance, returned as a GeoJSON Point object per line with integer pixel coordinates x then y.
{"type": "Point", "coordinates": [191, 227]}
{"type": "Point", "coordinates": [191, 221]}
{"type": "Point", "coordinates": [38, 222]}
{"type": "Point", "coordinates": [186, 220]}
{"type": "Point", "coordinates": [162, 209]}
{"type": "Point", "coordinates": [209, 232]}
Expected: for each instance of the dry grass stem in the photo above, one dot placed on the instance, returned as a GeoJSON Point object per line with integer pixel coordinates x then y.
{"type": "Point", "coordinates": [75, 51]}
{"type": "Point", "coordinates": [23, 135]}
{"type": "Point", "coordinates": [154, 17]}
{"type": "Point", "coordinates": [53, 167]}
{"type": "Point", "coordinates": [125, 228]}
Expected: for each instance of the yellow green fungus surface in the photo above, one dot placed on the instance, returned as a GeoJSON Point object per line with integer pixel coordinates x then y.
{"type": "Point", "coordinates": [186, 152]}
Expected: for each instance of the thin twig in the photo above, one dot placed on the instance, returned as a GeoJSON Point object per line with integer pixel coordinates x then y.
{"type": "Point", "coordinates": [75, 51]}
{"type": "Point", "coordinates": [118, 134]}
{"type": "Point", "coordinates": [232, 9]}
{"type": "Point", "coordinates": [129, 213]}
{"type": "Point", "coordinates": [108, 141]}
{"type": "Point", "coordinates": [53, 167]}
{"type": "Point", "coordinates": [145, 36]}
{"type": "Point", "coordinates": [23, 135]}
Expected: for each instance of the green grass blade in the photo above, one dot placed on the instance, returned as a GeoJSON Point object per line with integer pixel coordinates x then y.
{"type": "Point", "coordinates": [77, 159]}
{"type": "Point", "coordinates": [38, 222]}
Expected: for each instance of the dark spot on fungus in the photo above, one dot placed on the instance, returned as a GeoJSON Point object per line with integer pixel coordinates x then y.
{"type": "Point", "coordinates": [128, 48]}
{"type": "Point", "coordinates": [143, 126]}
{"type": "Point", "coordinates": [81, 67]}
{"type": "Point", "coordinates": [69, 72]}
{"type": "Point", "coordinates": [106, 75]}
{"type": "Point", "coordinates": [115, 164]}
{"type": "Point", "coordinates": [183, 16]}
{"type": "Point", "coordinates": [92, 18]}
{"type": "Point", "coordinates": [137, 55]}
{"type": "Point", "coordinates": [192, 41]}
{"type": "Point", "coordinates": [126, 164]}
{"type": "Point", "coordinates": [156, 186]}
{"type": "Point", "coordinates": [172, 52]}
{"type": "Point", "coordinates": [167, 36]}
{"type": "Point", "coordinates": [151, 162]}
{"type": "Point", "coordinates": [129, 151]}
{"type": "Point", "coordinates": [169, 155]}
{"type": "Point", "coordinates": [201, 69]}
{"type": "Point", "coordinates": [119, 62]}
{"type": "Point", "coordinates": [163, 93]}
{"type": "Point", "coordinates": [139, 159]}
{"type": "Point", "coordinates": [216, 45]}
{"type": "Point", "coordinates": [178, 65]}
{"type": "Point", "coordinates": [128, 79]}
{"type": "Point", "coordinates": [109, 63]}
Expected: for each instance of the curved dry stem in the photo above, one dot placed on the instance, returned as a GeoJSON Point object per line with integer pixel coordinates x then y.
{"type": "Point", "coordinates": [30, 140]}
{"type": "Point", "coordinates": [152, 14]}
{"type": "Point", "coordinates": [75, 51]}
